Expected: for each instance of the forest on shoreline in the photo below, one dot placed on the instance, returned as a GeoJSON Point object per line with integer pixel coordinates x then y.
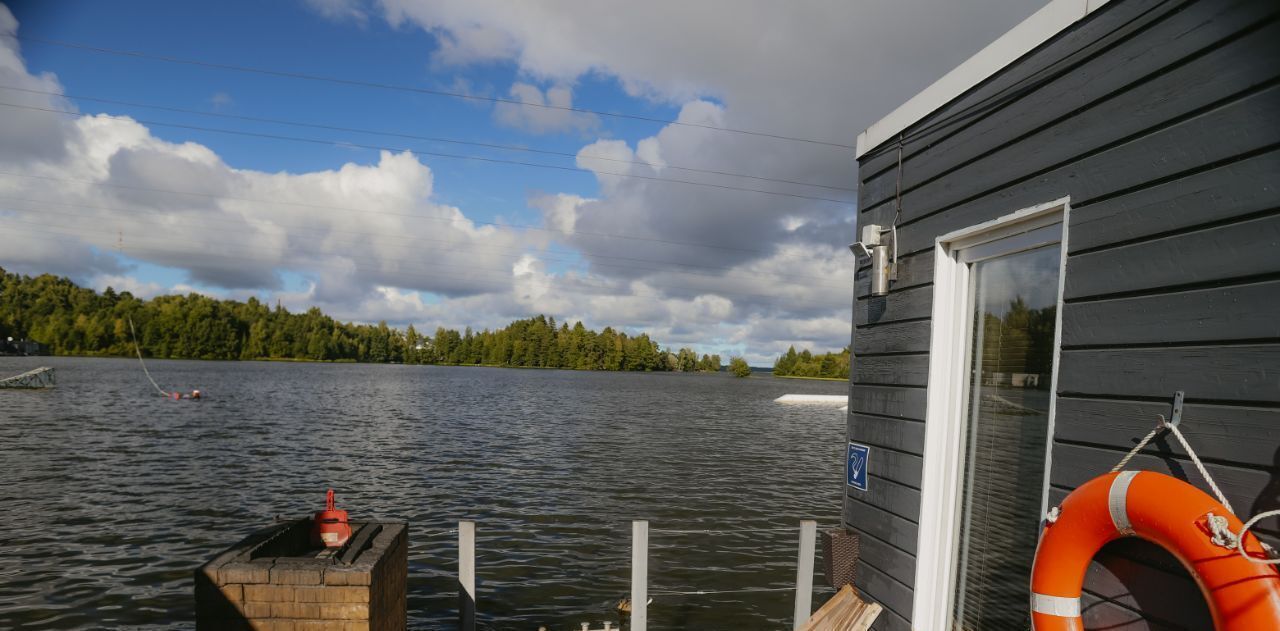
{"type": "Point", "coordinates": [807, 364]}
{"type": "Point", "coordinates": [72, 320]}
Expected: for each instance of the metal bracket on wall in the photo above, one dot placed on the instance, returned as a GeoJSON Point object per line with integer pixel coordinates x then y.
{"type": "Point", "coordinates": [1175, 416]}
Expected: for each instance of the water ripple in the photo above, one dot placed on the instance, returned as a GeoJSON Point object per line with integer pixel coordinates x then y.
{"type": "Point", "coordinates": [113, 496]}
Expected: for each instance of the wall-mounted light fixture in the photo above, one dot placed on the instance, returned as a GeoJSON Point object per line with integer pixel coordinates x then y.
{"type": "Point", "coordinates": [872, 247]}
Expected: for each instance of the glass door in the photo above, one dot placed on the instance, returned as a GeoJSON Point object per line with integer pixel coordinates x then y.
{"type": "Point", "coordinates": [1012, 315]}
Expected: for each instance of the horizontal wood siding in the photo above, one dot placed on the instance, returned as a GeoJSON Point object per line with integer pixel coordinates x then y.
{"type": "Point", "coordinates": [1161, 122]}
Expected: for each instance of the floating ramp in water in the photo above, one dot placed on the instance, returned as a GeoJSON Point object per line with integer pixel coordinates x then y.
{"type": "Point", "coordinates": [39, 378]}
{"type": "Point", "coordinates": [815, 399]}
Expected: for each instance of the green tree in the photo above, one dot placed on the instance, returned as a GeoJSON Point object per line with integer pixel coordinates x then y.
{"type": "Point", "coordinates": [738, 366]}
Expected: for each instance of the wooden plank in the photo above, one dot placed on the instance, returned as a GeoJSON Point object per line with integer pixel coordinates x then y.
{"type": "Point", "coordinates": [1232, 190]}
{"type": "Point", "coordinates": [891, 594]}
{"type": "Point", "coordinates": [639, 575]}
{"type": "Point", "coordinates": [42, 377]}
{"type": "Point", "coordinates": [1247, 248]}
{"type": "Point", "coordinates": [1249, 436]}
{"type": "Point", "coordinates": [896, 466]}
{"type": "Point", "coordinates": [903, 370]}
{"type": "Point", "coordinates": [902, 402]}
{"type": "Point", "coordinates": [804, 574]}
{"type": "Point", "coordinates": [1074, 465]}
{"type": "Point", "coordinates": [895, 337]}
{"type": "Point", "coordinates": [913, 271]}
{"type": "Point", "coordinates": [1098, 31]}
{"type": "Point", "coordinates": [1237, 128]}
{"type": "Point", "coordinates": [889, 621]}
{"type": "Point", "coordinates": [903, 305]}
{"type": "Point", "coordinates": [844, 612]}
{"type": "Point", "coordinates": [898, 564]}
{"type": "Point", "coordinates": [890, 496]}
{"type": "Point", "coordinates": [901, 434]}
{"type": "Point", "coordinates": [1144, 108]}
{"type": "Point", "coordinates": [872, 521]}
{"type": "Point", "coordinates": [467, 575]}
{"type": "Point", "coordinates": [1159, 594]}
{"type": "Point", "coordinates": [1224, 373]}
{"type": "Point", "coordinates": [1099, 102]}
{"type": "Point", "coordinates": [1239, 312]}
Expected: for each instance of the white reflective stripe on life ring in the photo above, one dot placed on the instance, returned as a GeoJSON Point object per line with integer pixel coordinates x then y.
{"type": "Point", "coordinates": [1055, 605]}
{"type": "Point", "coordinates": [1118, 502]}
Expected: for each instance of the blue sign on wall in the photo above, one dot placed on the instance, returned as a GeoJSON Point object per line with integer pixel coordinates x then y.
{"type": "Point", "coordinates": [856, 472]}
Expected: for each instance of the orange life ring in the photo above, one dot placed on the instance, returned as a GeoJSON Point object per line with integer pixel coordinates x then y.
{"type": "Point", "coordinates": [1242, 595]}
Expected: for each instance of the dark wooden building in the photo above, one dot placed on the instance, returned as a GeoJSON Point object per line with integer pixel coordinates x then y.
{"type": "Point", "coordinates": [1087, 220]}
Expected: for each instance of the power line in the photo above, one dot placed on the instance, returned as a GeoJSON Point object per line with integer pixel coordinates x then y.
{"type": "Point", "coordinates": [487, 145]}
{"type": "Point", "coordinates": [398, 88]}
{"type": "Point", "coordinates": [456, 246]}
{"type": "Point", "coordinates": [387, 213]}
{"type": "Point", "coordinates": [436, 154]}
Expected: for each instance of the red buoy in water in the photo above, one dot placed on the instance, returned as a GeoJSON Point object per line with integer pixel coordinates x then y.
{"type": "Point", "coordinates": [329, 527]}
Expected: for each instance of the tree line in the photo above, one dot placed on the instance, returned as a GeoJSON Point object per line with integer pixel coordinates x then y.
{"type": "Point", "coordinates": [807, 364]}
{"type": "Point", "coordinates": [72, 320]}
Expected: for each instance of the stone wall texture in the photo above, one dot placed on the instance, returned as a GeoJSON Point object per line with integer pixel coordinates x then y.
{"type": "Point", "coordinates": [247, 587]}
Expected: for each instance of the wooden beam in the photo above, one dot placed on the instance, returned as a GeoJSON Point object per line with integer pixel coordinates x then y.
{"type": "Point", "coordinates": [639, 575]}
{"type": "Point", "coordinates": [804, 573]}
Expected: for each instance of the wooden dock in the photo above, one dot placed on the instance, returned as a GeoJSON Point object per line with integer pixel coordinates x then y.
{"type": "Point", "coordinates": [42, 377]}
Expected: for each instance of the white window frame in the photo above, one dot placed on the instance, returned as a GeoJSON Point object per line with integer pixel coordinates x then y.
{"type": "Point", "coordinates": [945, 419]}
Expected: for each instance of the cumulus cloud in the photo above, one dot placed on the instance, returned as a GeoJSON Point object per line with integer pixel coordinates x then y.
{"type": "Point", "coordinates": [814, 70]}
{"type": "Point", "coordinates": [728, 271]}
{"type": "Point", "coordinates": [101, 189]}
{"type": "Point", "coordinates": [543, 120]}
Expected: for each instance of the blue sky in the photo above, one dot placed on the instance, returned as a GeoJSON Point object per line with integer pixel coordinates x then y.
{"type": "Point", "coordinates": [289, 36]}
{"type": "Point", "coordinates": [115, 197]}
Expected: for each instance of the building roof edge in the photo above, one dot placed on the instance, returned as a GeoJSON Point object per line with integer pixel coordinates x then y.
{"type": "Point", "coordinates": [1043, 25]}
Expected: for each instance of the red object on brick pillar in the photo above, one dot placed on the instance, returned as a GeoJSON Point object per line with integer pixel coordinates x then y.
{"type": "Point", "coordinates": [329, 527]}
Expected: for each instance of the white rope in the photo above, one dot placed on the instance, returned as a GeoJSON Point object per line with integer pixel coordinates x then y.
{"type": "Point", "coordinates": [1275, 559]}
{"type": "Point", "coordinates": [1142, 443]}
{"type": "Point", "coordinates": [144, 364]}
{"type": "Point", "coordinates": [1222, 535]}
{"type": "Point", "coordinates": [1200, 465]}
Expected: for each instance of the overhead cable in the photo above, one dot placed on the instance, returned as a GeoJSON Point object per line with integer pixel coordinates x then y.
{"type": "Point", "coordinates": [395, 134]}
{"type": "Point", "coordinates": [400, 88]}
{"type": "Point", "coordinates": [436, 154]}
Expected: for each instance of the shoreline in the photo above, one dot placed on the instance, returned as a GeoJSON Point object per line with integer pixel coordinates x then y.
{"type": "Point", "coordinates": [293, 360]}
{"type": "Point", "coordinates": [811, 378]}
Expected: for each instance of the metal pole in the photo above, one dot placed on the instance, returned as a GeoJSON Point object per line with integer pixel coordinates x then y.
{"type": "Point", "coordinates": [467, 575]}
{"type": "Point", "coordinates": [639, 575]}
{"type": "Point", "coordinates": [804, 573]}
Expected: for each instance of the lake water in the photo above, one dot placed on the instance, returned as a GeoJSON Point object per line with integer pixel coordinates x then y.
{"type": "Point", "coordinates": [110, 496]}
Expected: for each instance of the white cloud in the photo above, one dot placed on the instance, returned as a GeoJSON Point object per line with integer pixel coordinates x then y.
{"type": "Point", "coordinates": [97, 188]}
{"type": "Point", "coordinates": [543, 120]}
{"type": "Point", "coordinates": [729, 271]}
{"type": "Point", "coordinates": [778, 271]}
{"type": "Point", "coordinates": [339, 10]}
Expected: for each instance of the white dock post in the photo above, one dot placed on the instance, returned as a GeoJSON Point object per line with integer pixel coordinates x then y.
{"type": "Point", "coordinates": [639, 575]}
{"type": "Point", "coordinates": [467, 575]}
{"type": "Point", "coordinates": [804, 573]}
